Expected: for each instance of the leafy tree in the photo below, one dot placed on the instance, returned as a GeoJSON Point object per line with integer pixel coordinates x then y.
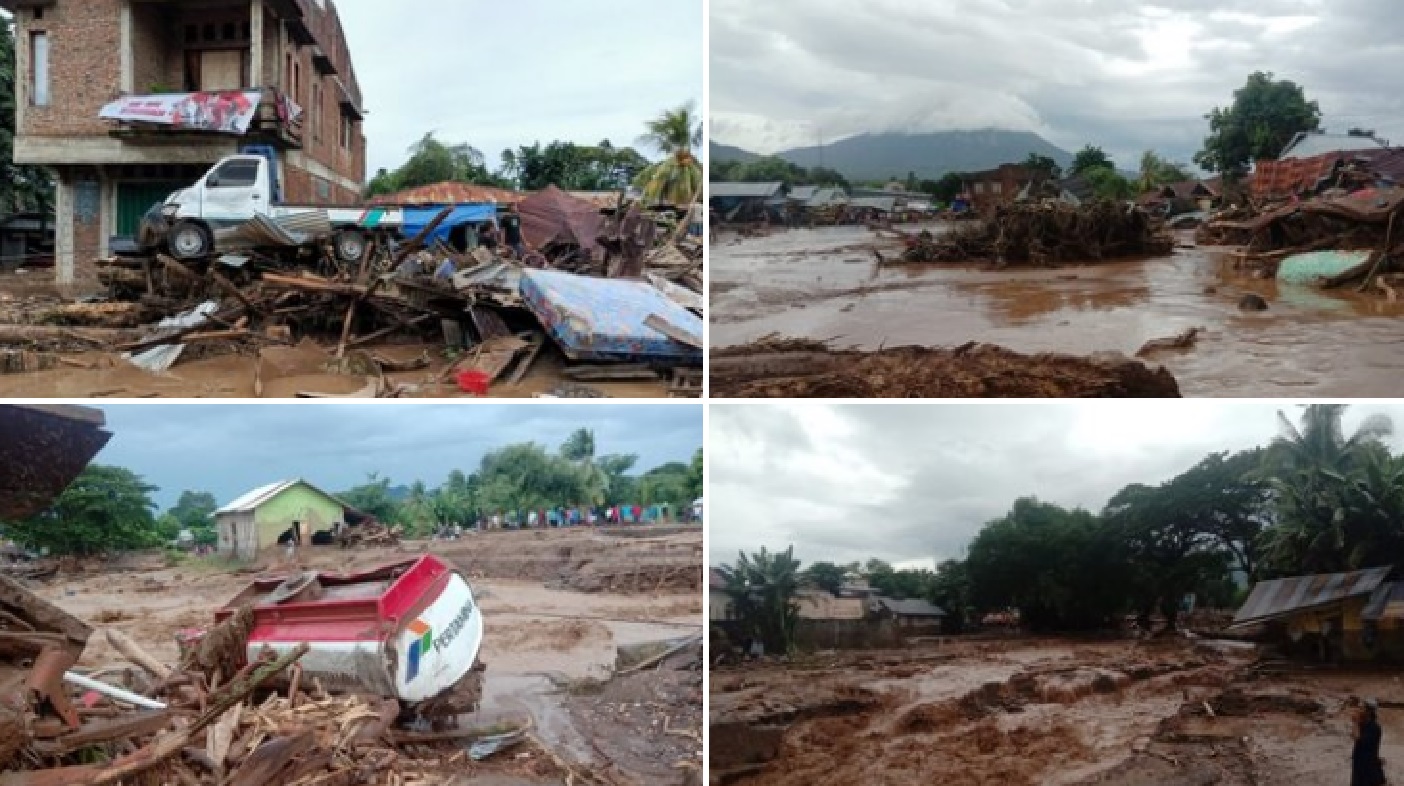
{"type": "Point", "coordinates": [1063, 569]}
{"type": "Point", "coordinates": [374, 498]}
{"type": "Point", "coordinates": [826, 576]}
{"type": "Point", "coordinates": [762, 587]}
{"type": "Point", "coordinates": [1156, 172]}
{"type": "Point", "coordinates": [1263, 118]}
{"type": "Point", "coordinates": [1088, 158]}
{"type": "Point", "coordinates": [22, 188]}
{"type": "Point", "coordinates": [1107, 183]}
{"type": "Point", "coordinates": [946, 189]}
{"type": "Point", "coordinates": [677, 179]}
{"type": "Point", "coordinates": [950, 589]}
{"type": "Point", "coordinates": [194, 511]}
{"type": "Point", "coordinates": [696, 474]}
{"type": "Point", "coordinates": [1044, 164]}
{"type": "Point", "coordinates": [571, 167]}
{"type": "Point", "coordinates": [526, 477]}
{"type": "Point", "coordinates": [104, 509]}
{"type": "Point", "coordinates": [670, 484]}
{"type": "Point", "coordinates": [431, 161]}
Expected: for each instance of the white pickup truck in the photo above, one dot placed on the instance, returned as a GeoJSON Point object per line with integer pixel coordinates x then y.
{"type": "Point", "coordinates": [236, 190]}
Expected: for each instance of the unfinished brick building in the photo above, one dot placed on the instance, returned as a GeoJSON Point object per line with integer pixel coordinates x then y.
{"type": "Point", "coordinates": [74, 57]}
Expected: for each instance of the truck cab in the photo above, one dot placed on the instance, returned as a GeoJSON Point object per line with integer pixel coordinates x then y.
{"type": "Point", "coordinates": [239, 189]}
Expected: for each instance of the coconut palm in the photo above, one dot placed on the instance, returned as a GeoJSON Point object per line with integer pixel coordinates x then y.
{"type": "Point", "coordinates": [579, 448]}
{"type": "Point", "coordinates": [677, 179]}
{"type": "Point", "coordinates": [1332, 491]}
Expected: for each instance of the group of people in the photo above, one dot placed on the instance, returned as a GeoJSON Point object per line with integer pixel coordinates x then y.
{"type": "Point", "coordinates": [584, 516]}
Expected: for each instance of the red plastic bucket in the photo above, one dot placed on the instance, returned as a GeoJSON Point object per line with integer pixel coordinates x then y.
{"type": "Point", "coordinates": [475, 382]}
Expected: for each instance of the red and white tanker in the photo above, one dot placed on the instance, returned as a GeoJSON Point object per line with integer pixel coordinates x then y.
{"type": "Point", "coordinates": [410, 630]}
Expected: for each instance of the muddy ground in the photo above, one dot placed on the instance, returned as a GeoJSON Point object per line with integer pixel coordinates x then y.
{"type": "Point", "coordinates": [549, 651]}
{"type": "Point", "coordinates": [824, 284]}
{"type": "Point", "coordinates": [1029, 711]}
{"type": "Point", "coordinates": [79, 370]}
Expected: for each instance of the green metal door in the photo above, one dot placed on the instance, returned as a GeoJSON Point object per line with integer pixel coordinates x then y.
{"type": "Point", "coordinates": [134, 199]}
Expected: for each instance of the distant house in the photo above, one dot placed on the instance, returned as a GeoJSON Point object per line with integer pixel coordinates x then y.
{"type": "Point", "coordinates": [259, 519]}
{"type": "Point", "coordinates": [856, 587]}
{"type": "Point", "coordinates": [871, 208]}
{"type": "Point", "coordinates": [719, 605]}
{"type": "Point", "coordinates": [908, 613]}
{"type": "Point", "coordinates": [1332, 617]}
{"type": "Point", "coordinates": [747, 201]}
{"type": "Point", "coordinates": [1186, 196]}
{"type": "Point", "coordinates": [995, 187]}
{"type": "Point", "coordinates": [818, 604]}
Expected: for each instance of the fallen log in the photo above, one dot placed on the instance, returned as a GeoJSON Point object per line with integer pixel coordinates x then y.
{"type": "Point", "coordinates": [134, 653]}
{"type": "Point", "coordinates": [29, 334]}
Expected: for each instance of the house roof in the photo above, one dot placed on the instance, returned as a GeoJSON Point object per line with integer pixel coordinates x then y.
{"type": "Point", "coordinates": [803, 193]}
{"type": "Point", "coordinates": [820, 605]}
{"type": "Point", "coordinates": [911, 607]}
{"type": "Point", "coordinates": [1278, 598]}
{"type": "Point", "coordinates": [451, 193]}
{"type": "Point", "coordinates": [884, 204]}
{"type": "Point", "coordinates": [746, 190]}
{"type": "Point", "coordinates": [253, 499]}
{"type": "Point", "coordinates": [1308, 144]}
{"type": "Point", "coordinates": [1386, 603]}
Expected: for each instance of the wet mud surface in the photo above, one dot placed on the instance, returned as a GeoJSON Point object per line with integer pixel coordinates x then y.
{"type": "Point", "coordinates": [825, 284]}
{"type": "Point", "coordinates": [1037, 712]}
{"type": "Point", "coordinates": [549, 653]}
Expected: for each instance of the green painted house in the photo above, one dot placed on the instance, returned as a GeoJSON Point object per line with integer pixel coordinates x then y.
{"type": "Point", "coordinates": [259, 518]}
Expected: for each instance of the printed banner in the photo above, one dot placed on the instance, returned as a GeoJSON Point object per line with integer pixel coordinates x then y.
{"type": "Point", "coordinates": [229, 112]}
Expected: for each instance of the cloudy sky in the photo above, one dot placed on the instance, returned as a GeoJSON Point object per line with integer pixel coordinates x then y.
{"type": "Point", "coordinates": [1124, 75]}
{"type": "Point", "coordinates": [502, 75]}
{"type": "Point", "coordinates": [229, 449]}
{"type": "Point", "coordinates": [916, 482]}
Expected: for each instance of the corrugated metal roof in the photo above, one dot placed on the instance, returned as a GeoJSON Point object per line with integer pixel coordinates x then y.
{"type": "Point", "coordinates": [911, 607]}
{"type": "Point", "coordinates": [1281, 597]}
{"type": "Point", "coordinates": [745, 190]}
{"type": "Point", "coordinates": [1387, 603]}
{"type": "Point", "coordinates": [262, 494]}
{"type": "Point", "coordinates": [451, 194]}
{"type": "Point", "coordinates": [826, 196]}
{"type": "Point", "coordinates": [803, 193]}
{"type": "Point", "coordinates": [1309, 145]}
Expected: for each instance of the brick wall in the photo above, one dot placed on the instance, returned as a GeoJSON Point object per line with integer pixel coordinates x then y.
{"type": "Point", "coordinates": [157, 63]}
{"type": "Point", "coordinates": [85, 67]}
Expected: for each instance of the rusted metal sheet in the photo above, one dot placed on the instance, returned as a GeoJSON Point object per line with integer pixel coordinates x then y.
{"type": "Point", "coordinates": [42, 450]}
{"type": "Point", "coordinates": [1387, 603]}
{"type": "Point", "coordinates": [1282, 597]}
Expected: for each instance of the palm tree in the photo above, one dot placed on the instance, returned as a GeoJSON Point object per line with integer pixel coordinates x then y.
{"type": "Point", "coordinates": [762, 587]}
{"type": "Point", "coordinates": [677, 179]}
{"type": "Point", "coordinates": [1326, 483]}
{"type": "Point", "coordinates": [579, 448]}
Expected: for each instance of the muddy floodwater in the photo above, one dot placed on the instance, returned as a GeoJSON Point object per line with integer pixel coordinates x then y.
{"type": "Point", "coordinates": [826, 284]}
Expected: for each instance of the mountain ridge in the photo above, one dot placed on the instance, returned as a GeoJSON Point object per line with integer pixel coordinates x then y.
{"type": "Point", "coordinates": [880, 156]}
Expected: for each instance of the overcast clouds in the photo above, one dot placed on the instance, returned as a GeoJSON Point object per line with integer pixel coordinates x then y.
{"type": "Point", "coordinates": [1123, 75]}
{"type": "Point", "coordinates": [908, 482]}
{"type": "Point", "coordinates": [229, 449]}
{"type": "Point", "coordinates": [501, 75]}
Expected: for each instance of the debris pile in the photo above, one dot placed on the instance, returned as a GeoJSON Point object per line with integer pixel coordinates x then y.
{"type": "Point", "coordinates": [1044, 234]}
{"type": "Point", "coordinates": [371, 534]}
{"type": "Point", "coordinates": [792, 368]}
{"type": "Point", "coordinates": [632, 291]}
{"type": "Point", "coordinates": [1329, 224]}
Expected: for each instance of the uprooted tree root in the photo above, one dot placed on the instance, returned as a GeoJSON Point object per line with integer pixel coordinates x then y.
{"type": "Point", "coordinates": [788, 368]}
{"type": "Point", "coordinates": [1045, 235]}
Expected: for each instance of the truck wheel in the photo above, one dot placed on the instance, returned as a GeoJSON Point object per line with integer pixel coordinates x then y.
{"type": "Point", "coordinates": [190, 240]}
{"type": "Point", "coordinates": [350, 246]}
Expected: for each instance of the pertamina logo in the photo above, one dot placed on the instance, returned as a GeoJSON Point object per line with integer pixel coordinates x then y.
{"type": "Point", "coordinates": [419, 647]}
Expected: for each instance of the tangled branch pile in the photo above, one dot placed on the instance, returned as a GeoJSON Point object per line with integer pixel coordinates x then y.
{"type": "Point", "coordinates": [1046, 234]}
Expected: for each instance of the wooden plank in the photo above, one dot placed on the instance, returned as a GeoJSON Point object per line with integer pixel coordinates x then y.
{"type": "Point", "coordinates": [538, 342]}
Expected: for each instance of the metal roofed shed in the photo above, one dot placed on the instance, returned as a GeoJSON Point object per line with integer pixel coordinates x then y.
{"type": "Point", "coordinates": [257, 519]}
{"type": "Point", "coordinates": [1308, 144]}
{"type": "Point", "coordinates": [1386, 603]}
{"type": "Point", "coordinates": [608, 319]}
{"type": "Point", "coordinates": [1278, 598]}
{"type": "Point", "coordinates": [745, 190]}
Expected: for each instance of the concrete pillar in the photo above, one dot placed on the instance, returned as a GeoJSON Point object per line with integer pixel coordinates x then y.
{"type": "Point", "coordinates": [128, 56]}
{"type": "Point", "coordinates": [107, 213]}
{"type": "Point", "coordinates": [257, 75]}
{"type": "Point", "coordinates": [64, 272]}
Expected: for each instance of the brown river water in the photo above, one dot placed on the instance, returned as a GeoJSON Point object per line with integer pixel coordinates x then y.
{"type": "Point", "coordinates": [826, 284]}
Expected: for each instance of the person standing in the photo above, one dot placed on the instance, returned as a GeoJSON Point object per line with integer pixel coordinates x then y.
{"type": "Point", "coordinates": [1366, 769]}
{"type": "Point", "coordinates": [487, 236]}
{"type": "Point", "coordinates": [512, 231]}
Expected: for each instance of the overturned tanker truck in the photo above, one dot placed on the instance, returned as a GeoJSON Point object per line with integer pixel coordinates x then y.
{"type": "Point", "coordinates": [410, 631]}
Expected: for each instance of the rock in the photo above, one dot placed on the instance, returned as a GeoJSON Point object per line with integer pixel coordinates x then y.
{"type": "Point", "coordinates": [1252, 302]}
